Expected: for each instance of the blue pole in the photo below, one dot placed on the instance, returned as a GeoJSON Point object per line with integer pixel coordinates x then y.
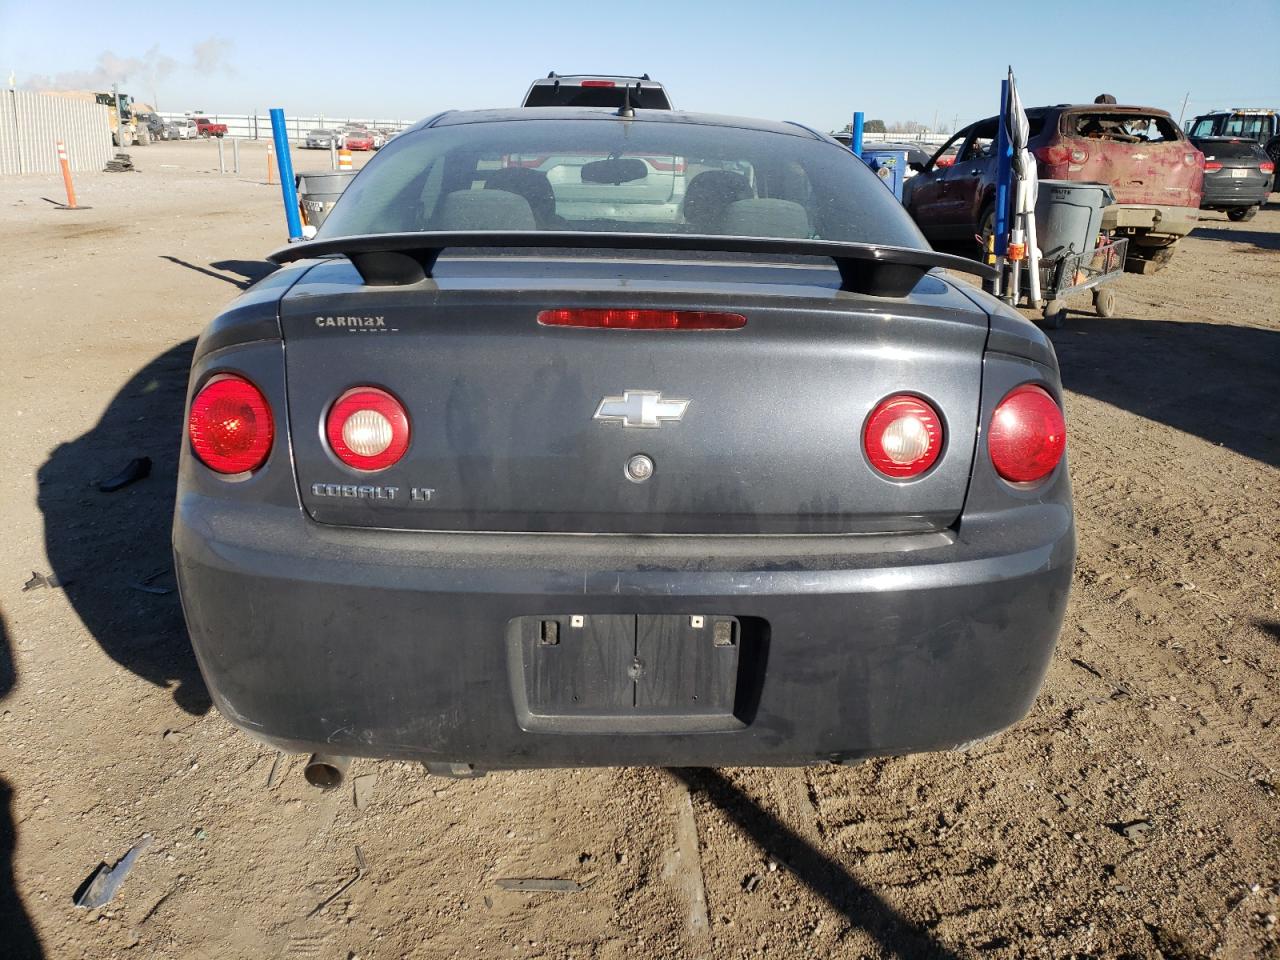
{"type": "Point", "coordinates": [856, 146]}
{"type": "Point", "coordinates": [1004, 174]}
{"type": "Point", "coordinates": [285, 165]}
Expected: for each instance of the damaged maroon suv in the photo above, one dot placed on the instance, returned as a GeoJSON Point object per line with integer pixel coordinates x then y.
{"type": "Point", "coordinates": [1153, 170]}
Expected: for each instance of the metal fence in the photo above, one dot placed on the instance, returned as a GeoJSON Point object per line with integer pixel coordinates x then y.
{"type": "Point", "coordinates": [931, 139]}
{"type": "Point", "coordinates": [251, 127]}
{"type": "Point", "coordinates": [32, 123]}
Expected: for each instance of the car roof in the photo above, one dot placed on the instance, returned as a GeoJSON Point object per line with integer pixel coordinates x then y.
{"type": "Point", "coordinates": [1239, 112]}
{"type": "Point", "coordinates": [1035, 113]}
{"type": "Point", "coordinates": [553, 77]}
{"type": "Point", "coordinates": [1111, 108]}
{"type": "Point", "coordinates": [542, 114]}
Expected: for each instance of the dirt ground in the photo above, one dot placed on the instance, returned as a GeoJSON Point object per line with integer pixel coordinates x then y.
{"type": "Point", "coordinates": [1133, 813]}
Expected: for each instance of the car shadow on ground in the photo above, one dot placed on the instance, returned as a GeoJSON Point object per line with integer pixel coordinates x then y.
{"type": "Point", "coordinates": [250, 271]}
{"type": "Point", "coordinates": [111, 550]}
{"type": "Point", "coordinates": [1215, 381]}
{"type": "Point", "coordinates": [18, 940]}
{"type": "Point", "coordinates": [859, 904]}
{"type": "Point", "coordinates": [1259, 238]}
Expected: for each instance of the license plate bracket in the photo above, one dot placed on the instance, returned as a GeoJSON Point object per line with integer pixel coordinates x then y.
{"type": "Point", "coordinates": [626, 673]}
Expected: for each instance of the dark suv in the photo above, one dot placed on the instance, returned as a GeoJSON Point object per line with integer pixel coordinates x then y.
{"type": "Point", "coordinates": [1246, 123]}
{"type": "Point", "coordinates": [1153, 170]}
{"type": "Point", "coordinates": [596, 90]}
{"type": "Point", "coordinates": [1238, 176]}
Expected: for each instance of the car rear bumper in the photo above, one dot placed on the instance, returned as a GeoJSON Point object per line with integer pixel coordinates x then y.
{"type": "Point", "coordinates": [1166, 220]}
{"type": "Point", "coordinates": [397, 644]}
{"type": "Point", "coordinates": [1235, 191]}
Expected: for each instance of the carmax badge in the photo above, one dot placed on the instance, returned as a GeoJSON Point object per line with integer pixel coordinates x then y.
{"type": "Point", "coordinates": [640, 408]}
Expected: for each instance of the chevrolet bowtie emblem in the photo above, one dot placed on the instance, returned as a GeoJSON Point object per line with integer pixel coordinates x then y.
{"type": "Point", "coordinates": [640, 408]}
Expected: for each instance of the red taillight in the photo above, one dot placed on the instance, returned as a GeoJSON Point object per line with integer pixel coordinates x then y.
{"type": "Point", "coordinates": [1212, 165]}
{"type": "Point", "coordinates": [946, 161]}
{"type": "Point", "coordinates": [367, 429]}
{"type": "Point", "coordinates": [1266, 166]}
{"type": "Point", "coordinates": [903, 436]}
{"type": "Point", "coordinates": [1053, 153]}
{"type": "Point", "coordinates": [598, 83]}
{"type": "Point", "coordinates": [230, 425]}
{"type": "Point", "coordinates": [1028, 435]}
{"type": "Point", "coordinates": [642, 319]}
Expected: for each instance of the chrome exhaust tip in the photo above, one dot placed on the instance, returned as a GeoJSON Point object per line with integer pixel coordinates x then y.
{"type": "Point", "coordinates": [326, 772]}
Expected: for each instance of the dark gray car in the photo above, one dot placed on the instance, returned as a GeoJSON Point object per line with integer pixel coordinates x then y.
{"type": "Point", "coordinates": [1238, 176]}
{"type": "Point", "coordinates": [476, 482]}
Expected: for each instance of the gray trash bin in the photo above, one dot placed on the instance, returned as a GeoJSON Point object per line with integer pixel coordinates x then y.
{"type": "Point", "coordinates": [1069, 216]}
{"type": "Point", "coordinates": [318, 192]}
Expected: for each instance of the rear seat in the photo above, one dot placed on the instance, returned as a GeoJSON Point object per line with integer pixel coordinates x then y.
{"type": "Point", "coordinates": [764, 217]}
{"type": "Point", "coordinates": [483, 210]}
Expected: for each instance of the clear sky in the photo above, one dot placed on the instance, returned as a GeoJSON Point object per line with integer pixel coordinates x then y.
{"type": "Point", "coordinates": [784, 59]}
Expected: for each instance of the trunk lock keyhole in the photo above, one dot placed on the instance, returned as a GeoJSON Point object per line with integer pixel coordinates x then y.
{"type": "Point", "coordinates": [639, 468]}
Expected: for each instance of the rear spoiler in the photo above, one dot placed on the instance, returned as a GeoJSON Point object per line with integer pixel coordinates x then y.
{"type": "Point", "coordinates": [398, 259]}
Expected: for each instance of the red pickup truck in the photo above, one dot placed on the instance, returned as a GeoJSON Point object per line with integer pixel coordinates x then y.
{"type": "Point", "coordinates": [207, 128]}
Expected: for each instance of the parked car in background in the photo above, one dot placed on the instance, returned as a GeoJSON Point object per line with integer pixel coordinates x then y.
{"type": "Point", "coordinates": [207, 128]}
{"type": "Point", "coordinates": [181, 129]}
{"type": "Point", "coordinates": [649, 183]}
{"type": "Point", "coordinates": [947, 155]}
{"type": "Point", "coordinates": [155, 126]}
{"type": "Point", "coordinates": [745, 481]}
{"type": "Point", "coordinates": [596, 90]}
{"type": "Point", "coordinates": [917, 156]}
{"type": "Point", "coordinates": [320, 139]}
{"type": "Point", "coordinates": [1238, 176]}
{"type": "Point", "coordinates": [1153, 169]}
{"type": "Point", "coordinates": [358, 140]}
{"type": "Point", "coordinates": [1247, 123]}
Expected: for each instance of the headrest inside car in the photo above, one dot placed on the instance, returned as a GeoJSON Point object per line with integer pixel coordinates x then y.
{"type": "Point", "coordinates": [766, 218]}
{"type": "Point", "coordinates": [483, 210]}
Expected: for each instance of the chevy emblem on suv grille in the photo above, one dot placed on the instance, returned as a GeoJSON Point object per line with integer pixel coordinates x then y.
{"type": "Point", "coordinates": [640, 408]}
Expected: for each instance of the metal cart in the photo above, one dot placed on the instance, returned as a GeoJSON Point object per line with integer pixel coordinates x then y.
{"type": "Point", "coordinates": [1077, 272]}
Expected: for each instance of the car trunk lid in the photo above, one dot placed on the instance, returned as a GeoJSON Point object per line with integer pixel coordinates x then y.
{"type": "Point", "coordinates": [505, 411]}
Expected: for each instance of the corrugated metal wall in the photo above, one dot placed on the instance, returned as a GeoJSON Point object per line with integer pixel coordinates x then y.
{"type": "Point", "coordinates": [32, 123]}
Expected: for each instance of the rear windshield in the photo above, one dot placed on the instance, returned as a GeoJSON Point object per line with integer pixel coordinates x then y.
{"type": "Point", "coordinates": [1229, 149]}
{"type": "Point", "coordinates": [615, 175]}
{"type": "Point", "coordinates": [553, 94]}
{"type": "Point", "coordinates": [1121, 127]}
{"type": "Point", "coordinates": [1252, 126]}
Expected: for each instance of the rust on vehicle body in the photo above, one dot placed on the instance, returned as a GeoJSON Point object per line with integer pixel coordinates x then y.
{"type": "Point", "coordinates": [1098, 143]}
